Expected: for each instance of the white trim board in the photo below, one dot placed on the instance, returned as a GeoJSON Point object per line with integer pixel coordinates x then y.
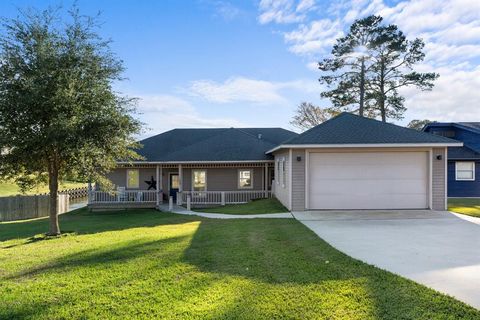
{"type": "Point", "coordinates": [194, 162]}
{"type": "Point", "coordinates": [364, 145]}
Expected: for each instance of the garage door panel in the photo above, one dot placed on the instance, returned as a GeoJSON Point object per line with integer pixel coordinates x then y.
{"type": "Point", "coordinates": [331, 202]}
{"type": "Point", "coordinates": [374, 180]}
{"type": "Point", "coordinates": [365, 187]}
{"type": "Point", "coordinates": [373, 172]}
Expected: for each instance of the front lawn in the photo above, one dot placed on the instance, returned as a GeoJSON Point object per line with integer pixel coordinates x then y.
{"type": "Point", "coordinates": [144, 264]}
{"type": "Point", "coordinates": [468, 206]}
{"type": "Point", "coordinates": [260, 206]}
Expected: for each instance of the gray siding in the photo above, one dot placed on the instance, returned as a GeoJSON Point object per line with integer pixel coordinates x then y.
{"type": "Point", "coordinates": [282, 191]}
{"type": "Point", "coordinates": [119, 177]}
{"type": "Point", "coordinates": [218, 179]}
{"type": "Point", "coordinates": [298, 180]}
{"type": "Point", "coordinates": [223, 179]}
{"type": "Point", "coordinates": [438, 179]}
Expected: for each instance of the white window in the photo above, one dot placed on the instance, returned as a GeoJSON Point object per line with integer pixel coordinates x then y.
{"type": "Point", "coordinates": [245, 179]}
{"type": "Point", "coordinates": [199, 178]}
{"type": "Point", "coordinates": [133, 179]}
{"type": "Point", "coordinates": [465, 170]}
{"type": "Point", "coordinates": [284, 172]}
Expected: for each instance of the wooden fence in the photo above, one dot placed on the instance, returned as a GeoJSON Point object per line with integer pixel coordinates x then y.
{"type": "Point", "coordinates": [76, 192]}
{"type": "Point", "coordinates": [28, 207]}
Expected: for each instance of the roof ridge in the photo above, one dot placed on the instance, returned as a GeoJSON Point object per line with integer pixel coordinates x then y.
{"type": "Point", "coordinates": [393, 125]}
{"type": "Point", "coordinates": [324, 122]}
{"type": "Point", "coordinates": [208, 141]}
{"type": "Point", "coordinates": [254, 137]}
{"type": "Point", "coordinates": [352, 128]}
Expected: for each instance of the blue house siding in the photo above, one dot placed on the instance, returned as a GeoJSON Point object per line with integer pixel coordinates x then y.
{"type": "Point", "coordinates": [470, 136]}
{"type": "Point", "coordinates": [463, 188]}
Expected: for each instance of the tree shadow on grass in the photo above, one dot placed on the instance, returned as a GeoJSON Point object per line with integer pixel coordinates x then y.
{"type": "Point", "coordinates": [82, 221]}
{"type": "Point", "coordinates": [285, 253]}
{"type": "Point", "coordinates": [115, 254]}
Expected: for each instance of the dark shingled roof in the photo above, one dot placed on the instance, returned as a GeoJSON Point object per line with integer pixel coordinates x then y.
{"type": "Point", "coordinates": [347, 128]}
{"type": "Point", "coordinates": [227, 144]}
{"type": "Point", "coordinates": [458, 153]}
{"type": "Point", "coordinates": [472, 125]}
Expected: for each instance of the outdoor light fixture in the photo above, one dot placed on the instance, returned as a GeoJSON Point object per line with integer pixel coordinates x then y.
{"type": "Point", "coordinates": [299, 158]}
{"type": "Point", "coordinates": [439, 157]}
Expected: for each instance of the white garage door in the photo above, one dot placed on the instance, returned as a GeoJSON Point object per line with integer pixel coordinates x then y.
{"type": "Point", "coordinates": [368, 180]}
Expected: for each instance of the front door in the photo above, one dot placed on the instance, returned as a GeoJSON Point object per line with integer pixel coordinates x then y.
{"type": "Point", "coordinates": [174, 184]}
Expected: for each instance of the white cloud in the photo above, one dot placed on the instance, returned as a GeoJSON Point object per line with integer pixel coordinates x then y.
{"type": "Point", "coordinates": [165, 112]}
{"type": "Point", "coordinates": [455, 97]}
{"type": "Point", "coordinates": [240, 89]}
{"type": "Point", "coordinates": [284, 11]}
{"type": "Point", "coordinates": [314, 37]}
{"type": "Point", "coordinates": [450, 29]}
{"type": "Point", "coordinates": [226, 10]}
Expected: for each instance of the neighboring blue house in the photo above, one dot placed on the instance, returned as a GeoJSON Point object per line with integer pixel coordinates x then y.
{"type": "Point", "coordinates": [463, 162]}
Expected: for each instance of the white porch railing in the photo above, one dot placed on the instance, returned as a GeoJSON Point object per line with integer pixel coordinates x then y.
{"type": "Point", "coordinates": [221, 197]}
{"type": "Point", "coordinates": [137, 196]}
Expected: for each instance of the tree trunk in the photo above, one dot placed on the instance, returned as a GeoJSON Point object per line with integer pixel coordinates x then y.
{"type": "Point", "coordinates": [53, 187]}
{"type": "Point", "coordinates": [382, 93]}
{"type": "Point", "coordinates": [362, 90]}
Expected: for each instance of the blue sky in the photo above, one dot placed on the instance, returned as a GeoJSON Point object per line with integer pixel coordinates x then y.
{"type": "Point", "coordinates": [215, 63]}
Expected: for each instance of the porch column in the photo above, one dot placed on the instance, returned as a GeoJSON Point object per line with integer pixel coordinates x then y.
{"type": "Point", "coordinates": [180, 185]}
{"type": "Point", "coordinates": [158, 186]}
{"type": "Point", "coordinates": [180, 178]}
{"type": "Point", "coordinates": [266, 180]}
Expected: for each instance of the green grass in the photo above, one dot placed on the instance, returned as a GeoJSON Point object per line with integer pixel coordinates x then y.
{"type": "Point", "coordinates": [468, 206]}
{"type": "Point", "coordinates": [10, 188]}
{"type": "Point", "coordinates": [254, 207]}
{"type": "Point", "coordinates": [145, 264]}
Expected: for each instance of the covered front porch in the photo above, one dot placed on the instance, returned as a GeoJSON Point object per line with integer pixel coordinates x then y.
{"type": "Point", "coordinates": [148, 185]}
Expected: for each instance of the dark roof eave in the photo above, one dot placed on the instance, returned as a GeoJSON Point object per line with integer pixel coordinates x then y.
{"type": "Point", "coordinates": [446, 124]}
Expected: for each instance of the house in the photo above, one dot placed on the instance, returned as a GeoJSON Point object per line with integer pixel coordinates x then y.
{"type": "Point", "coordinates": [463, 162]}
{"type": "Point", "coordinates": [348, 162]}
{"type": "Point", "coordinates": [211, 166]}
{"type": "Point", "coordinates": [351, 162]}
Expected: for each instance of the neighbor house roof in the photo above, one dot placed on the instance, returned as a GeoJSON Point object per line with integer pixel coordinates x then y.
{"type": "Point", "coordinates": [213, 145]}
{"type": "Point", "coordinates": [469, 150]}
{"type": "Point", "coordinates": [347, 129]}
{"type": "Point", "coordinates": [472, 126]}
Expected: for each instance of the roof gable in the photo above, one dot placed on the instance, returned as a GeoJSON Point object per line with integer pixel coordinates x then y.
{"type": "Point", "coordinates": [347, 128]}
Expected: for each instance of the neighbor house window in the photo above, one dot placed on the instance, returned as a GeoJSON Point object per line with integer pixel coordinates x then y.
{"type": "Point", "coordinates": [444, 133]}
{"type": "Point", "coordinates": [133, 179]}
{"type": "Point", "coordinates": [465, 170]}
{"type": "Point", "coordinates": [199, 178]}
{"type": "Point", "coordinates": [245, 179]}
{"type": "Point", "coordinates": [284, 172]}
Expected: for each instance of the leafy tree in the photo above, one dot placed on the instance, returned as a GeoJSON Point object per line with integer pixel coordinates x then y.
{"type": "Point", "coordinates": [308, 116]}
{"type": "Point", "coordinates": [369, 66]}
{"type": "Point", "coordinates": [59, 115]}
{"type": "Point", "coordinates": [348, 71]}
{"type": "Point", "coordinates": [394, 57]}
{"type": "Point", "coordinates": [418, 124]}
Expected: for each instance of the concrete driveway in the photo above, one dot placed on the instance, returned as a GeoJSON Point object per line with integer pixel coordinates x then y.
{"type": "Point", "coordinates": [438, 249]}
